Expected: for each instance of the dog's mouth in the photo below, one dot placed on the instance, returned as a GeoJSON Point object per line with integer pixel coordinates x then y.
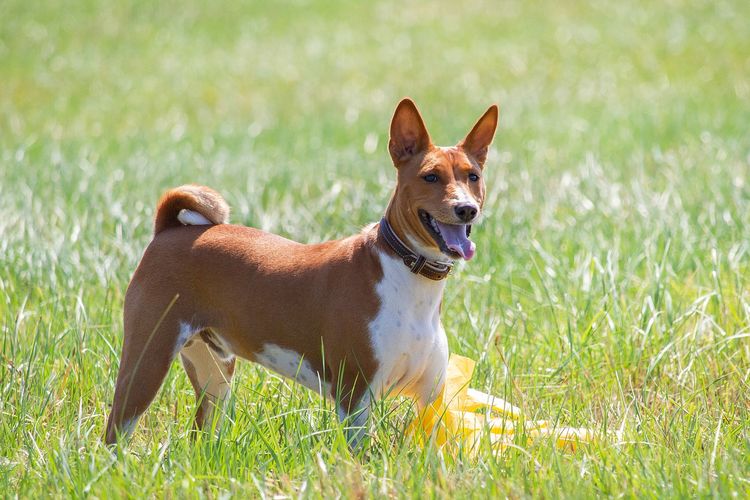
{"type": "Point", "coordinates": [452, 239]}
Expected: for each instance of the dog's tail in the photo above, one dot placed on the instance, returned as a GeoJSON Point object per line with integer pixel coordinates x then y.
{"type": "Point", "coordinates": [190, 205]}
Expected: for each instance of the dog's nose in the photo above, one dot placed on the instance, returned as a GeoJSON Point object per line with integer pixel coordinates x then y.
{"type": "Point", "coordinates": [466, 212]}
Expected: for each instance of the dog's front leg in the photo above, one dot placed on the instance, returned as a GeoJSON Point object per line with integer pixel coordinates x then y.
{"type": "Point", "coordinates": [355, 418]}
{"type": "Point", "coordinates": [430, 384]}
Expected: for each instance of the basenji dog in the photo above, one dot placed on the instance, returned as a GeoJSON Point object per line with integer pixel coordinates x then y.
{"type": "Point", "coordinates": [354, 319]}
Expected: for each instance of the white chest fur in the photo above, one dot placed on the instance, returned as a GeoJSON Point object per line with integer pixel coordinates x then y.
{"type": "Point", "coordinates": [407, 337]}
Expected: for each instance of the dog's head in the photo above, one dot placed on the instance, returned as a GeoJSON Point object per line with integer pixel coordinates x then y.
{"type": "Point", "coordinates": [440, 190]}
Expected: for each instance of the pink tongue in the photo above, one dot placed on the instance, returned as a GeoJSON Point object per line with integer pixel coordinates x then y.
{"type": "Point", "coordinates": [456, 240]}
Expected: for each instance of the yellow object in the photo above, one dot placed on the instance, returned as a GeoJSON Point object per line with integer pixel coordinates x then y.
{"type": "Point", "coordinates": [461, 416]}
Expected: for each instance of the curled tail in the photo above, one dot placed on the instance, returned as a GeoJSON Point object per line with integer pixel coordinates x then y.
{"type": "Point", "coordinates": [190, 205]}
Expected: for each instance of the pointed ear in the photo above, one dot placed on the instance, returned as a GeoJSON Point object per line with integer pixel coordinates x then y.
{"type": "Point", "coordinates": [477, 143]}
{"type": "Point", "coordinates": [409, 136]}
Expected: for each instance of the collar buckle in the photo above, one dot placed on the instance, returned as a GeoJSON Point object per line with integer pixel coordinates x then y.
{"type": "Point", "coordinates": [418, 264]}
{"type": "Point", "coordinates": [409, 260]}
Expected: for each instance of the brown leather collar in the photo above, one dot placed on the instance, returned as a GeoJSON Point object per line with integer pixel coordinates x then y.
{"type": "Point", "coordinates": [418, 264]}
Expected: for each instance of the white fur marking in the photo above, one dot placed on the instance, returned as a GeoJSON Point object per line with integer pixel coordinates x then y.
{"type": "Point", "coordinates": [290, 364]}
{"type": "Point", "coordinates": [429, 252]}
{"type": "Point", "coordinates": [356, 421]}
{"type": "Point", "coordinates": [192, 218]}
{"type": "Point", "coordinates": [463, 197]}
{"type": "Point", "coordinates": [186, 331]}
{"type": "Point", "coordinates": [407, 337]}
{"type": "Point", "coordinates": [128, 426]}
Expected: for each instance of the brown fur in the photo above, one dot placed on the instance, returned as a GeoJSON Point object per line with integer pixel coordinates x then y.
{"type": "Point", "coordinates": [253, 288]}
{"type": "Point", "coordinates": [201, 199]}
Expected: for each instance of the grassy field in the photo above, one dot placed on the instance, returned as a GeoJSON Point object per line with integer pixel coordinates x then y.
{"type": "Point", "coordinates": [610, 287]}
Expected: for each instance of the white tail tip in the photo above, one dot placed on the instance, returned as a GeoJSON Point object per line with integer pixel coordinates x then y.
{"type": "Point", "coordinates": [191, 218]}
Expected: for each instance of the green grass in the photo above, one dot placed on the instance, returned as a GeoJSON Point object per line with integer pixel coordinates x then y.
{"type": "Point", "coordinates": [610, 287]}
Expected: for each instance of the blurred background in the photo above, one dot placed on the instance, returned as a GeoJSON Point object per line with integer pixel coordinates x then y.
{"type": "Point", "coordinates": [105, 104]}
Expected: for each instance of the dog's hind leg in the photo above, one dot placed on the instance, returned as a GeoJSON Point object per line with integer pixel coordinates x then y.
{"type": "Point", "coordinates": [149, 346]}
{"type": "Point", "coordinates": [210, 368]}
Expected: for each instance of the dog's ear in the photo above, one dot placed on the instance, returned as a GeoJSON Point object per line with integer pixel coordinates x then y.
{"type": "Point", "coordinates": [409, 136]}
{"type": "Point", "coordinates": [477, 143]}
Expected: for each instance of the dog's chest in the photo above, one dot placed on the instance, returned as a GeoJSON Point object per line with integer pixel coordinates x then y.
{"type": "Point", "coordinates": [406, 331]}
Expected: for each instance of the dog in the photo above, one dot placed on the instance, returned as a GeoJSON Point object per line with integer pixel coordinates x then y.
{"type": "Point", "coordinates": [353, 319]}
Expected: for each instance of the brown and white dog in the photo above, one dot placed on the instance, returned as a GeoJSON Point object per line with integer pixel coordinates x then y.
{"type": "Point", "coordinates": [353, 319]}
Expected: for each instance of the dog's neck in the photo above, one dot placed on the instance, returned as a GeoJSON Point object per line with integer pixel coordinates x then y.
{"type": "Point", "coordinates": [415, 262]}
{"type": "Point", "coordinates": [406, 226]}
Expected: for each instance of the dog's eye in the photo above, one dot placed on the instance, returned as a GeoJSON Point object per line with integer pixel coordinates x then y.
{"type": "Point", "coordinates": [473, 177]}
{"type": "Point", "coordinates": [430, 178]}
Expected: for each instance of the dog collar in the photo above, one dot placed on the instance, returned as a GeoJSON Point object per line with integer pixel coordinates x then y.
{"type": "Point", "coordinates": [418, 264]}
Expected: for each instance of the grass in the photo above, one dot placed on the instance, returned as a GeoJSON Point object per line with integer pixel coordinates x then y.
{"type": "Point", "coordinates": [611, 282]}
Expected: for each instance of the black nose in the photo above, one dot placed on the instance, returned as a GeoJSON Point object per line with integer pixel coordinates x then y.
{"type": "Point", "coordinates": [466, 212]}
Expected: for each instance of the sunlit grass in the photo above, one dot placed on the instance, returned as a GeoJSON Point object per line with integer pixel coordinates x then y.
{"type": "Point", "coordinates": [609, 289]}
